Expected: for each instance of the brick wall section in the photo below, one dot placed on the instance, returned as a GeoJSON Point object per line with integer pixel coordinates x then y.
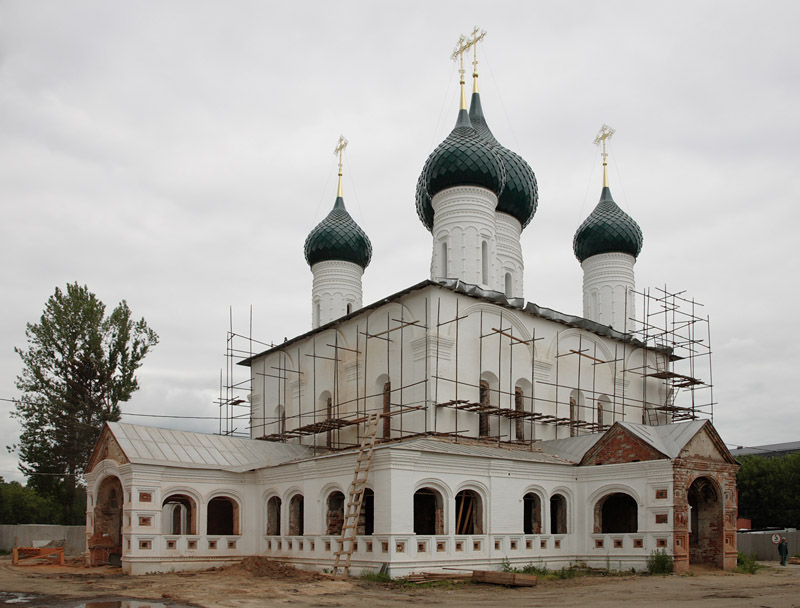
{"type": "Point", "coordinates": [720, 546]}
{"type": "Point", "coordinates": [619, 447]}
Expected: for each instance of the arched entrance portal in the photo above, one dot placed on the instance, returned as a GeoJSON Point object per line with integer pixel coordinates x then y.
{"type": "Point", "coordinates": [105, 545]}
{"type": "Point", "coordinates": [616, 513]}
{"type": "Point", "coordinates": [706, 539]}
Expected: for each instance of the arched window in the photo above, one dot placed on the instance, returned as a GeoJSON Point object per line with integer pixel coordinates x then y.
{"type": "Point", "coordinates": [531, 514]}
{"type": "Point", "coordinates": [349, 307]}
{"type": "Point", "coordinates": [616, 513]}
{"type": "Point", "coordinates": [296, 516]}
{"type": "Point", "coordinates": [334, 518]}
{"type": "Point", "coordinates": [325, 403]}
{"type": "Point", "coordinates": [605, 414]}
{"type": "Point", "coordinates": [444, 260]}
{"type": "Point", "coordinates": [519, 406]}
{"type": "Point", "coordinates": [223, 516]}
{"type": "Point", "coordinates": [366, 520]}
{"type": "Point", "coordinates": [280, 418]}
{"type": "Point", "coordinates": [575, 408]}
{"type": "Point", "coordinates": [179, 515]}
{"type": "Point", "coordinates": [469, 513]}
{"type": "Point", "coordinates": [274, 516]}
{"type": "Point", "coordinates": [558, 514]}
{"type": "Point", "coordinates": [484, 263]}
{"type": "Point", "coordinates": [387, 409]}
{"type": "Point", "coordinates": [483, 418]}
{"type": "Point", "coordinates": [317, 314]}
{"type": "Point", "coordinates": [508, 285]}
{"type": "Point", "coordinates": [428, 512]}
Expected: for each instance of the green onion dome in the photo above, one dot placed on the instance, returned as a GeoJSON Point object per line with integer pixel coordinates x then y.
{"type": "Point", "coordinates": [338, 237]}
{"type": "Point", "coordinates": [520, 197]}
{"type": "Point", "coordinates": [464, 158]}
{"type": "Point", "coordinates": [608, 229]}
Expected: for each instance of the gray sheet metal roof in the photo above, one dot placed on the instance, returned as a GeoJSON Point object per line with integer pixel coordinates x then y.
{"type": "Point", "coordinates": [772, 449]}
{"type": "Point", "coordinates": [167, 447]}
{"type": "Point", "coordinates": [474, 448]}
{"type": "Point", "coordinates": [571, 448]}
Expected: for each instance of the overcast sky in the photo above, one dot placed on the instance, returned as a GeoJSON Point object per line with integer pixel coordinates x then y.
{"type": "Point", "coordinates": [176, 155]}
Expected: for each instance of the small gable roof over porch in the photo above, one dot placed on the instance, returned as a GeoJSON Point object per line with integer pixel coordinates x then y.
{"type": "Point", "coordinates": [629, 442]}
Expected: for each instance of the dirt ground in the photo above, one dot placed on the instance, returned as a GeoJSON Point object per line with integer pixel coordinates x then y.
{"type": "Point", "coordinates": [256, 583]}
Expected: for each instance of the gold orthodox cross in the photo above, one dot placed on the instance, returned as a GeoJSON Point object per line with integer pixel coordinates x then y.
{"type": "Point", "coordinates": [340, 146]}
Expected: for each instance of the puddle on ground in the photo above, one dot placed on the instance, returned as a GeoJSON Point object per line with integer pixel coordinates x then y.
{"type": "Point", "coordinates": [29, 600]}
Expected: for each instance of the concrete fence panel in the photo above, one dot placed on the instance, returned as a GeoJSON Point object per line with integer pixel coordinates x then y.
{"type": "Point", "coordinates": [31, 535]}
{"type": "Point", "coordinates": [761, 544]}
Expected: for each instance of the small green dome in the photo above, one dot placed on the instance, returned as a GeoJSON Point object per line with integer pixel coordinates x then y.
{"type": "Point", "coordinates": [338, 237]}
{"type": "Point", "coordinates": [608, 229]}
{"type": "Point", "coordinates": [520, 197]}
{"type": "Point", "coordinates": [464, 158]}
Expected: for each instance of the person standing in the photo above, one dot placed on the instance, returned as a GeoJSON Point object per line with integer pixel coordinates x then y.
{"type": "Point", "coordinates": [783, 550]}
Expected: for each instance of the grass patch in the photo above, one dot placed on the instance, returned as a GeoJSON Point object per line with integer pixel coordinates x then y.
{"type": "Point", "coordinates": [659, 562]}
{"type": "Point", "coordinates": [567, 572]}
{"type": "Point", "coordinates": [746, 563]}
{"type": "Point", "coordinates": [375, 577]}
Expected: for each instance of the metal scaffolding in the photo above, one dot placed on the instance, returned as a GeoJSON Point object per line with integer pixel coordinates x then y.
{"type": "Point", "coordinates": [670, 343]}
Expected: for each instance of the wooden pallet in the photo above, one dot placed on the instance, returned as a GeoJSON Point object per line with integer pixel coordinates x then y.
{"type": "Point", "coordinates": [27, 555]}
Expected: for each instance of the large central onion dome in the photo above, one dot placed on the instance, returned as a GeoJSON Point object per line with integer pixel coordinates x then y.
{"type": "Point", "coordinates": [520, 196]}
{"type": "Point", "coordinates": [464, 158]}
{"type": "Point", "coordinates": [338, 237]}
{"type": "Point", "coordinates": [608, 229]}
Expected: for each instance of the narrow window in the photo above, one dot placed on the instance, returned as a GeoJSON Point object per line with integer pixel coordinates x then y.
{"type": "Point", "coordinates": [296, 515]}
{"type": "Point", "coordinates": [508, 284]}
{"type": "Point", "coordinates": [484, 263]}
{"type": "Point", "coordinates": [532, 514]}
{"type": "Point", "coordinates": [349, 308]}
{"type": "Point", "coordinates": [483, 418]}
{"type": "Point", "coordinates": [519, 406]}
{"type": "Point", "coordinates": [335, 516]}
{"type": "Point", "coordinates": [558, 514]}
{"type": "Point", "coordinates": [387, 408]}
{"type": "Point", "coordinates": [444, 260]}
{"type": "Point", "coordinates": [274, 516]}
{"type": "Point", "coordinates": [329, 414]}
{"type": "Point", "coordinates": [469, 513]}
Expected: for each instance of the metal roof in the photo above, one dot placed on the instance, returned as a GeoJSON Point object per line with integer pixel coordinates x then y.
{"type": "Point", "coordinates": [772, 449]}
{"type": "Point", "coordinates": [475, 448]}
{"type": "Point", "coordinates": [167, 447]}
{"type": "Point", "coordinates": [571, 448]}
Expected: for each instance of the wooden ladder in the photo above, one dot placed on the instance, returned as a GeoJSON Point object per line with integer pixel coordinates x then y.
{"type": "Point", "coordinates": [355, 497]}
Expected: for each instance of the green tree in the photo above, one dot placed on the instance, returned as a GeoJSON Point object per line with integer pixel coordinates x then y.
{"type": "Point", "coordinates": [768, 490]}
{"type": "Point", "coordinates": [22, 505]}
{"type": "Point", "coordinates": [78, 367]}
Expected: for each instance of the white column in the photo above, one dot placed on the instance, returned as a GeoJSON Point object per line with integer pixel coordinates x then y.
{"type": "Point", "coordinates": [509, 256]}
{"type": "Point", "coordinates": [464, 236]}
{"type": "Point", "coordinates": [608, 284]}
{"type": "Point", "coordinates": [336, 286]}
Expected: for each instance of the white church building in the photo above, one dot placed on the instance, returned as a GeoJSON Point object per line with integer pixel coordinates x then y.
{"type": "Point", "coordinates": [451, 424]}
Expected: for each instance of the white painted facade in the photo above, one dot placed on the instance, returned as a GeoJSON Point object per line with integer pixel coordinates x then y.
{"type": "Point", "coordinates": [336, 290]}
{"type": "Point", "coordinates": [608, 290]}
{"type": "Point", "coordinates": [501, 478]}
